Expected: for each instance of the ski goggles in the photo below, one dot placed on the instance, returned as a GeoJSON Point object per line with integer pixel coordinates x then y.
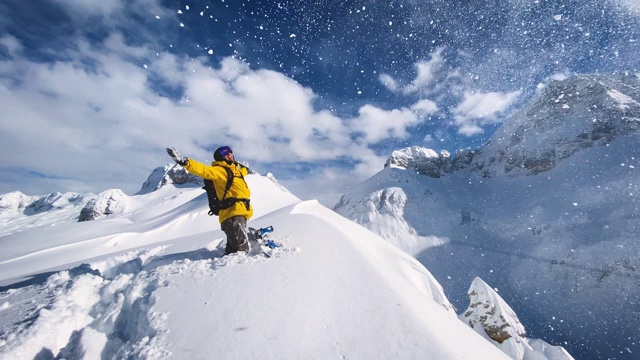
{"type": "Point", "coordinates": [225, 150]}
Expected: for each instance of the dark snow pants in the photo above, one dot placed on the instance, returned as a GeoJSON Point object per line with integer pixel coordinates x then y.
{"type": "Point", "coordinates": [237, 238]}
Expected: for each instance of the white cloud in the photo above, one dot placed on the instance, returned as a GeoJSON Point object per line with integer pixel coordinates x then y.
{"type": "Point", "coordinates": [389, 82]}
{"type": "Point", "coordinates": [557, 76]}
{"type": "Point", "coordinates": [266, 113]}
{"type": "Point", "coordinates": [424, 107]}
{"type": "Point", "coordinates": [85, 8]}
{"type": "Point", "coordinates": [479, 108]}
{"type": "Point", "coordinates": [375, 124]}
{"type": "Point", "coordinates": [10, 43]}
{"type": "Point", "coordinates": [470, 129]}
{"type": "Point", "coordinates": [483, 105]}
{"type": "Point", "coordinates": [114, 10]}
{"type": "Point", "coordinates": [426, 71]}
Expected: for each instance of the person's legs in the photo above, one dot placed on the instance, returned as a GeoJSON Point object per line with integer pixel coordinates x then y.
{"type": "Point", "coordinates": [236, 230]}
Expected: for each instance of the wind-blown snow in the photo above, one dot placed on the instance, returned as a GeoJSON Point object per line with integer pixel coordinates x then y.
{"type": "Point", "coordinates": [152, 283]}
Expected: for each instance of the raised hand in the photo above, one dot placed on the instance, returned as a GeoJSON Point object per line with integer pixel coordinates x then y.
{"type": "Point", "coordinates": [175, 155]}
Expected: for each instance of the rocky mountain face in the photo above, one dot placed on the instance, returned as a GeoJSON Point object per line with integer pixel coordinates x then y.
{"type": "Point", "coordinates": [547, 211]}
{"type": "Point", "coordinates": [567, 116]}
{"type": "Point", "coordinates": [168, 174]}
{"type": "Point", "coordinates": [107, 203]}
{"type": "Point", "coordinates": [429, 163]}
{"type": "Point", "coordinates": [491, 317]}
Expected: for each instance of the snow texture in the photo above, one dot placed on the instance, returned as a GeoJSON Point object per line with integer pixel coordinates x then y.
{"type": "Point", "coordinates": [151, 282]}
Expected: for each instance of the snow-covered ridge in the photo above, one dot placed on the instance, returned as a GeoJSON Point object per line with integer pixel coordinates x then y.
{"type": "Point", "coordinates": [273, 179]}
{"type": "Point", "coordinates": [112, 201]}
{"type": "Point", "coordinates": [151, 282]}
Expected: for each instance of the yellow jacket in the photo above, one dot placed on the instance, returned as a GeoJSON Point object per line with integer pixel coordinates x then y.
{"type": "Point", "coordinates": [239, 188]}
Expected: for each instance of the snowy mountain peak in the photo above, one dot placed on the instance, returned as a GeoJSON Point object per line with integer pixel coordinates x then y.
{"type": "Point", "coordinates": [13, 200]}
{"type": "Point", "coordinates": [490, 316]}
{"type": "Point", "coordinates": [107, 203]}
{"type": "Point", "coordinates": [404, 158]}
{"type": "Point", "coordinates": [168, 174]}
{"type": "Point", "coordinates": [568, 116]}
{"type": "Point", "coordinates": [422, 160]}
{"type": "Point", "coordinates": [488, 311]}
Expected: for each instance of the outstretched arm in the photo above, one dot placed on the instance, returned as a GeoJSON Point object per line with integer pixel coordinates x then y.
{"type": "Point", "coordinates": [195, 167]}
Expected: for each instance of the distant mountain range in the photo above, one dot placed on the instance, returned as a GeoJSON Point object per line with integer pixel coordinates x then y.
{"type": "Point", "coordinates": [548, 212]}
{"type": "Point", "coordinates": [88, 206]}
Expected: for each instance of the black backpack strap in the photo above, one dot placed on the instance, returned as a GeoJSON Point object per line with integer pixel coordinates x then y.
{"type": "Point", "coordinates": [229, 182]}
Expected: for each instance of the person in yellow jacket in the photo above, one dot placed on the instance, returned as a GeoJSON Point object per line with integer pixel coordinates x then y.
{"type": "Point", "coordinates": [233, 219]}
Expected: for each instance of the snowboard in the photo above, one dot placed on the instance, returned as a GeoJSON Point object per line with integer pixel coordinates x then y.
{"type": "Point", "coordinates": [260, 242]}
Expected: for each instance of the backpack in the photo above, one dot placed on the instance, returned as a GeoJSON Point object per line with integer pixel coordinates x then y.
{"type": "Point", "coordinates": [215, 204]}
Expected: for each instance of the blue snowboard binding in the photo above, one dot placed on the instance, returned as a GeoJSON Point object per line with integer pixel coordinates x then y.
{"type": "Point", "coordinates": [261, 236]}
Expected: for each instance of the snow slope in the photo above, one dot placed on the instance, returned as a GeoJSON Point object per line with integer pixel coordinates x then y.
{"type": "Point", "coordinates": [152, 283]}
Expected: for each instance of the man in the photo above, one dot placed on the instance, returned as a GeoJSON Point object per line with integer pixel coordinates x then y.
{"type": "Point", "coordinates": [233, 219]}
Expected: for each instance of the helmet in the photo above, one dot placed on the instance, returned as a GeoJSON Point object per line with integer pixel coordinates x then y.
{"type": "Point", "coordinates": [221, 152]}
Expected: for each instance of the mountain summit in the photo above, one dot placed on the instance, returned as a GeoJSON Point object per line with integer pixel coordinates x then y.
{"type": "Point", "coordinates": [568, 116]}
{"type": "Point", "coordinates": [547, 212]}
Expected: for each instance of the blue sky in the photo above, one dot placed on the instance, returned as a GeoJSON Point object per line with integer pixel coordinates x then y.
{"type": "Point", "coordinates": [318, 93]}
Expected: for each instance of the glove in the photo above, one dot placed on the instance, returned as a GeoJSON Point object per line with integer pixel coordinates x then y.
{"type": "Point", "coordinates": [175, 155]}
